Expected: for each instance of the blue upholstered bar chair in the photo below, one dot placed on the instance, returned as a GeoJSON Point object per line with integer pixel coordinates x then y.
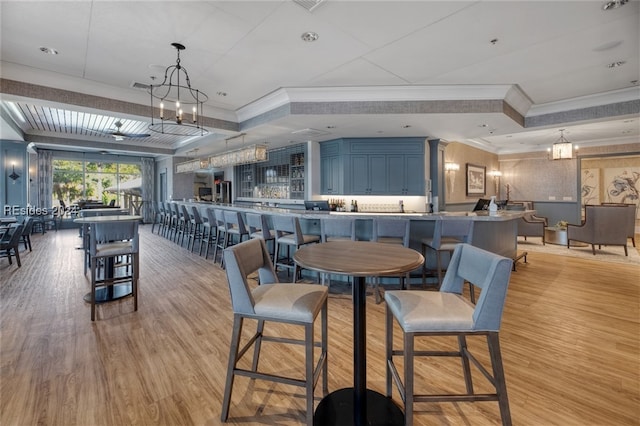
{"type": "Point", "coordinates": [173, 224]}
{"type": "Point", "coordinates": [335, 229]}
{"type": "Point", "coordinates": [271, 301]}
{"type": "Point", "coordinates": [106, 242]}
{"type": "Point", "coordinates": [447, 233]}
{"type": "Point", "coordinates": [390, 231]}
{"type": "Point", "coordinates": [448, 313]}
{"type": "Point", "coordinates": [195, 228]}
{"type": "Point", "coordinates": [236, 229]}
{"type": "Point", "coordinates": [258, 225]}
{"type": "Point", "coordinates": [184, 224]}
{"type": "Point", "coordinates": [289, 234]}
{"type": "Point", "coordinates": [209, 232]}
{"type": "Point", "coordinates": [221, 231]}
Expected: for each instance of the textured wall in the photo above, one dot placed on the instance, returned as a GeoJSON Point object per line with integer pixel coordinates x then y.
{"type": "Point", "coordinates": [455, 182]}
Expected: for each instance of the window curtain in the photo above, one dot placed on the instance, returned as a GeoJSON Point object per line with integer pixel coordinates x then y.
{"type": "Point", "coordinates": [148, 179]}
{"type": "Point", "coordinates": [45, 178]}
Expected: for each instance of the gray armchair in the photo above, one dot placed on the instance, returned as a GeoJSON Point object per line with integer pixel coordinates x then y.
{"type": "Point", "coordinates": [630, 224]}
{"type": "Point", "coordinates": [603, 225]}
{"type": "Point", "coordinates": [531, 226]}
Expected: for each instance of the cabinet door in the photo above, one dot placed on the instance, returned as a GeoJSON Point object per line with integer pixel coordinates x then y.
{"type": "Point", "coordinates": [377, 173]}
{"type": "Point", "coordinates": [414, 178]}
{"type": "Point", "coordinates": [331, 175]}
{"type": "Point", "coordinates": [358, 183]}
{"type": "Point", "coordinates": [396, 174]}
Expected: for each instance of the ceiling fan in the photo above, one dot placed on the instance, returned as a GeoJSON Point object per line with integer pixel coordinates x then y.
{"type": "Point", "coordinates": [119, 135]}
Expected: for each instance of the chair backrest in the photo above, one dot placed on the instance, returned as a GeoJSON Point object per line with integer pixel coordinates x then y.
{"type": "Point", "coordinates": [233, 219]}
{"type": "Point", "coordinates": [258, 222]}
{"type": "Point", "coordinates": [112, 203]}
{"type": "Point", "coordinates": [337, 228]}
{"type": "Point", "coordinates": [460, 229]}
{"type": "Point", "coordinates": [195, 214]}
{"type": "Point", "coordinates": [283, 225]}
{"type": "Point", "coordinates": [630, 224]}
{"type": "Point", "coordinates": [11, 239]}
{"type": "Point", "coordinates": [220, 219]}
{"type": "Point", "coordinates": [185, 212]}
{"type": "Point", "coordinates": [605, 224]}
{"type": "Point", "coordinates": [488, 271]}
{"type": "Point", "coordinates": [391, 228]}
{"type": "Point", "coordinates": [175, 210]}
{"type": "Point", "coordinates": [109, 232]}
{"type": "Point", "coordinates": [240, 261]}
{"type": "Point", "coordinates": [28, 225]}
{"type": "Point", "coordinates": [211, 218]}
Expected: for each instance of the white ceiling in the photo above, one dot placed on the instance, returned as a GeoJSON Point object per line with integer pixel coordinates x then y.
{"type": "Point", "coordinates": [378, 69]}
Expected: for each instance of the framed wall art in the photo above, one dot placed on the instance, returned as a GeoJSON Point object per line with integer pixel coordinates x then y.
{"type": "Point", "coordinates": [476, 180]}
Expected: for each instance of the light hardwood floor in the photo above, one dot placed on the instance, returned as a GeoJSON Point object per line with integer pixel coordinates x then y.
{"type": "Point", "coordinates": [570, 342]}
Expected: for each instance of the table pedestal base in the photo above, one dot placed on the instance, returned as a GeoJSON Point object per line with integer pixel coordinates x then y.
{"type": "Point", "coordinates": [337, 409]}
{"type": "Point", "coordinates": [111, 293]}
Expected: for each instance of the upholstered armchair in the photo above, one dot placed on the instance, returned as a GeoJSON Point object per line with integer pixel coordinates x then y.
{"type": "Point", "coordinates": [530, 226]}
{"type": "Point", "coordinates": [630, 224]}
{"type": "Point", "coordinates": [603, 225]}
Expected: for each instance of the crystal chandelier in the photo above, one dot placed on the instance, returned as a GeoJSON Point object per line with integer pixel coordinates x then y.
{"type": "Point", "coordinates": [176, 92]}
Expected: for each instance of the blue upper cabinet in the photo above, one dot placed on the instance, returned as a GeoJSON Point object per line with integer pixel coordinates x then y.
{"type": "Point", "coordinates": [368, 166]}
{"type": "Point", "coordinates": [332, 168]}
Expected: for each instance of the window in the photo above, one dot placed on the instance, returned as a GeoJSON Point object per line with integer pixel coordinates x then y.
{"type": "Point", "coordinates": [103, 181]}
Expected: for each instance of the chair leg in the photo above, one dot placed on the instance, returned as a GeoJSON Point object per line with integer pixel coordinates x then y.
{"type": "Point", "coordinates": [389, 349]}
{"type": "Point", "coordinates": [16, 251]}
{"type": "Point", "coordinates": [466, 368]}
{"type": "Point", "coordinates": [408, 377]}
{"type": "Point", "coordinates": [309, 349]}
{"type": "Point", "coordinates": [493, 341]}
{"type": "Point", "coordinates": [257, 345]}
{"type": "Point", "coordinates": [233, 355]}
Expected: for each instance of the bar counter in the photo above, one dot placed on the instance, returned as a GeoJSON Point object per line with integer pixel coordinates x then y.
{"type": "Point", "coordinates": [496, 233]}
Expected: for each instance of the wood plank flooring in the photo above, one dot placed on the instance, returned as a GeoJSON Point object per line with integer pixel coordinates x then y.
{"type": "Point", "coordinates": [570, 342]}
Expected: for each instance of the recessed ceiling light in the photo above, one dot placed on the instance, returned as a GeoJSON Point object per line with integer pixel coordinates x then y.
{"type": "Point", "coordinates": [616, 64]}
{"type": "Point", "coordinates": [48, 50]}
{"type": "Point", "coordinates": [613, 4]}
{"type": "Point", "coordinates": [330, 126]}
{"type": "Point", "coordinates": [406, 126]}
{"type": "Point", "coordinates": [483, 125]}
{"type": "Point", "coordinates": [223, 94]}
{"type": "Point", "coordinates": [493, 41]}
{"type": "Point", "coordinates": [309, 36]}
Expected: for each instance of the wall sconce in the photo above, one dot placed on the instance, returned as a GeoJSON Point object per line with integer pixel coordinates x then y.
{"type": "Point", "coordinates": [451, 169]}
{"type": "Point", "coordinates": [496, 180]}
{"type": "Point", "coordinates": [14, 176]}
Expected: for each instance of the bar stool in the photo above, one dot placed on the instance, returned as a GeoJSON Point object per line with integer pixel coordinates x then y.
{"type": "Point", "coordinates": [195, 228]}
{"type": "Point", "coordinates": [173, 223]}
{"type": "Point", "coordinates": [235, 228]}
{"type": "Point", "coordinates": [221, 234]}
{"type": "Point", "coordinates": [259, 228]}
{"type": "Point", "coordinates": [273, 302]}
{"type": "Point", "coordinates": [446, 313]}
{"type": "Point", "coordinates": [447, 234]}
{"type": "Point", "coordinates": [184, 224]}
{"type": "Point", "coordinates": [390, 231]}
{"type": "Point", "coordinates": [289, 234]}
{"type": "Point", "coordinates": [209, 232]}
{"type": "Point", "coordinates": [107, 241]}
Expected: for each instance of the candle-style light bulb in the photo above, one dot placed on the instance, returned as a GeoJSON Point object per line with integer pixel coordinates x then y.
{"type": "Point", "coordinates": [194, 115]}
{"type": "Point", "coordinates": [161, 111]}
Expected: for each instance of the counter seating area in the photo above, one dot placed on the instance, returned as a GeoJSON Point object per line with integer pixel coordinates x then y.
{"type": "Point", "coordinates": [169, 357]}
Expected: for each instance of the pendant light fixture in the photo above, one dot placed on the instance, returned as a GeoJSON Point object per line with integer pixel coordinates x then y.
{"type": "Point", "coordinates": [176, 107]}
{"type": "Point", "coordinates": [562, 149]}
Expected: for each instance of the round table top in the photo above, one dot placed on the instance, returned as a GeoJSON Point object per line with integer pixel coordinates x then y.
{"type": "Point", "coordinates": [358, 258]}
{"type": "Point", "coordinates": [105, 219]}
